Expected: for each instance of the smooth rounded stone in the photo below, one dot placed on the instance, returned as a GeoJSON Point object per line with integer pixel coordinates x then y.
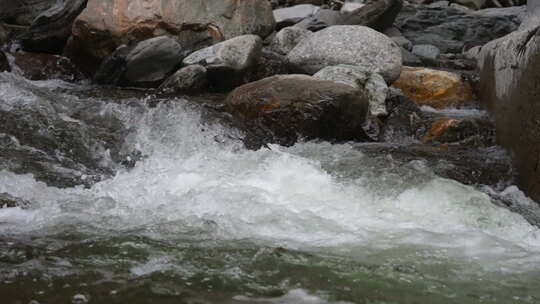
{"type": "Point", "coordinates": [286, 39]}
{"type": "Point", "coordinates": [372, 84]}
{"type": "Point", "coordinates": [396, 35]}
{"type": "Point", "coordinates": [50, 31]}
{"type": "Point", "coordinates": [190, 79]}
{"type": "Point", "coordinates": [152, 60]}
{"type": "Point", "coordinates": [4, 62]}
{"type": "Point", "coordinates": [270, 64]}
{"type": "Point", "coordinates": [228, 62]}
{"type": "Point", "coordinates": [106, 24]}
{"type": "Point", "coordinates": [288, 16]}
{"type": "Point", "coordinates": [473, 53]}
{"type": "Point", "coordinates": [351, 45]}
{"type": "Point", "coordinates": [283, 108]}
{"type": "Point", "coordinates": [434, 88]}
{"type": "Point", "coordinates": [350, 7]}
{"type": "Point", "coordinates": [427, 51]}
{"type": "Point", "coordinates": [409, 59]}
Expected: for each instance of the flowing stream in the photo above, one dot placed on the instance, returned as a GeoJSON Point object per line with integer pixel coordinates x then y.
{"type": "Point", "coordinates": [201, 219]}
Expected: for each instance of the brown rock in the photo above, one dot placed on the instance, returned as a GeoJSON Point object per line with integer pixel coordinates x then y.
{"type": "Point", "coordinates": [285, 107]}
{"type": "Point", "coordinates": [35, 66]}
{"type": "Point", "coordinates": [106, 24]}
{"type": "Point", "coordinates": [437, 89]}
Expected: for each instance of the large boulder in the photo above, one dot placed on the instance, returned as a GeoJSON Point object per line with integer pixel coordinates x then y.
{"type": "Point", "coordinates": [106, 24]}
{"type": "Point", "coordinates": [228, 62]}
{"type": "Point", "coordinates": [434, 88]}
{"type": "Point", "coordinates": [284, 108]}
{"type": "Point", "coordinates": [351, 45]}
{"type": "Point", "coordinates": [50, 31]}
{"type": "Point", "coordinates": [510, 88]}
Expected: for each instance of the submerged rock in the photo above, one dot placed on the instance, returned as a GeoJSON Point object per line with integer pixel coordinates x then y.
{"type": "Point", "coordinates": [285, 108]}
{"type": "Point", "coordinates": [61, 140]}
{"type": "Point", "coordinates": [106, 24]}
{"type": "Point", "coordinates": [352, 45]}
{"type": "Point", "coordinates": [434, 88]}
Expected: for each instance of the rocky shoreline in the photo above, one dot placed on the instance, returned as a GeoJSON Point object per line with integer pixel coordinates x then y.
{"type": "Point", "coordinates": [388, 72]}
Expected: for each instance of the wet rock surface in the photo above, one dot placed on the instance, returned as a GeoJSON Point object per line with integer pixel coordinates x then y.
{"type": "Point", "coordinates": [38, 66]}
{"type": "Point", "coordinates": [9, 201]}
{"type": "Point", "coordinates": [282, 109]}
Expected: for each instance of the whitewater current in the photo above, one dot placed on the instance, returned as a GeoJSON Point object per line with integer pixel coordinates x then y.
{"type": "Point", "coordinates": [313, 223]}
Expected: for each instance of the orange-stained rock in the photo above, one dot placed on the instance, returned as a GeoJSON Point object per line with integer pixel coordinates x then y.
{"type": "Point", "coordinates": [439, 128]}
{"type": "Point", "coordinates": [106, 24]}
{"type": "Point", "coordinates": [477, 131]}
{"type": "Point", "coordinates": [434, 88]}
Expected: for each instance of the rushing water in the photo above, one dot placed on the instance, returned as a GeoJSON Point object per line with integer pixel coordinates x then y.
{"type": "Point", "coordinates": [203, 220]}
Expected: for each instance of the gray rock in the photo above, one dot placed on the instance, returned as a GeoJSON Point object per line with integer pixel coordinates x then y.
{"type": "Point", "coordinates": [427, 51]}
{"type": "Point", "coordinates": [9, 201]}
{"type": "Point", "coordinates": [322, 19]}
{"type": "Point", "coordinates": [190, 79]}
{"type": "Point", "coordinates": [23, 12]}
{"type": "Point", "coordinates": [509, 87]}
{"type": "Point", "coordinates": [291, 15]}
{"type": "Point", "coordinates": [396, 35]}
{"type": "Point", "coordinates": [228, 62]}
{"type": "Point", "coordinates": [283, 108]}
{"type": "Point", "coordinates": [409, 59]}
{"type": "Point", "coordinates": [153, 60]}
{"type": "Point", "coordinates": [452, 30]}
{"type": "Point", "coordinates": [286, 39]}
{"type": "Point", "coordinates": [352, 45]}
{"type": "Point", "coordinates": [473, 53]}
{"type": "Point", "coordinates": [372, 84]}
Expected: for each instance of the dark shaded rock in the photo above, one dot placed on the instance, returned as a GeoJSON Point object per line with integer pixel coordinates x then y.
{"type": "Point", "coordinates": [452, 30]}
{"type": "Point", "coordinates": [61, 140]}
{"type": "Point", "coordinates": [322, 19]}
{"type": "Point", "coordinates": [470, 131]}
{"type": "Point", "coordinates": [292, 15]}
{"type": "Point", "coordinates": [145, 64]}
{"type": "Point", "coordinates": [4, 63]}
{"type": "Point", "coordinates": [36, 66]}
{"type": "Point", "coordinates": [23, 12]}
{"type": "Point", "coordinates": [285, 108]}
{"type": "Point", "coordinates": [50, 31]}
{"type": "Point", "coordinates": [3, 35]}
{"type": "Point", "coordinates": [270, 64]}
{"type": "Point", "coordinates": [189, 80]}
{"type": "Point", "coordinates": [510, 88]}
{"type": "Point", "coordinates": [405, 121]}
{"type": "Point", "coordinates": [9, 201]}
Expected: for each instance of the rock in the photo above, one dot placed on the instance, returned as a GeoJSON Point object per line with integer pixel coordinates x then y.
{"type": "Point", "coordinates": [153, 60]}
{"type": "Point", "coordinates": [398, 38]}
{"type": "Point", "coordinates": [50, 31]}
{"type": "Point", "coordinates": [146, 64]}
{"type": "Point", "coordinates": [509, 88]}
{"type": "Point", "coordinates": [9, 201]}
{"type": "Point", "coordinates": [270, 64]}
{"type": "Point", "coordinates": [437, 89]}
{"type": "Point", "coordinates": [473, 4]}
{"type": "Point", "coordinates": [4, 62]}
{"type": "Point", "coordinates": [405, 122]}
{"type": "Point", "coordinates": [190, 79]}
{"type": "Point", "coordinates": [289, 37]}
{"type": "Point", "coordinates": [35, 66]}
{"type": "Point", "coordinates": [350, 7]}
{"type": "Point", "coordinates": [23, 12]}
{"type": "Point", "coordinates": [50, 136]}
{"type": "Point", "coordinates": [292, 15]}
{"type": "Point", "coordinates": [450, 29]}
{"type": "Point", "coordinates": [106, 24]}
{"type": "Point", "coordinates": [351, 45]}
{"type": "Point", "coordinates": [427, 51]}
{"type": "Point", "coordinates": [3, 35]}
{"type": "Point", "coordinates": [409, 59]}
{"type": "Point", "coordinates": [372, 84]}
{"type": "Point", "coordinates": [479, 132]}
{"type": "Point", "coordinates": [473, 53]}
{"type": "Point", "coordinates": [378, 15]}
{"type": "Point", "coordinates": [281, 109]}
{"type": "Point", "coordinates": [228, 62]}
